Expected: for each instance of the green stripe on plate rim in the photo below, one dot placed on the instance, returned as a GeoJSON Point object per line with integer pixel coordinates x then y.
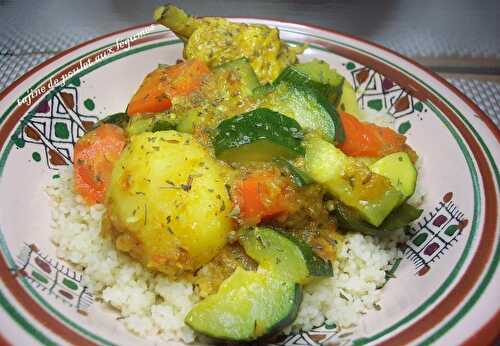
{"type": "Point", "coordinates": [495, 258]}
{"type": "Point", "coordinates": [176, 41]}
{"type": "Point", "coordinates": [29, 328]}
{"type": "Point", "coordinates": [490, 271]}
{"type": "Point", "coordinates": [3, 159]}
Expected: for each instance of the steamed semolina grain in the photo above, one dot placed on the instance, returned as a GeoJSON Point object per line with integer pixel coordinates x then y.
{"type": "Point", "coordinates": [359, 269]}
{"type": "Point", "coordinates": [151, 304]}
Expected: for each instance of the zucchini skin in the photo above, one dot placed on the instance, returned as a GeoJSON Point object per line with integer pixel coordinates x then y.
{"type": "Point", "coordinates": [162, 125]}
{"type": "Point", "coordinates": [278, 327]}
{"type": "Point", "coordinates": [298, 74]}
{"type": "Point", "coordinates": [284, 255]}
{"type": "Point", "coordinates": [119, 119]}
{"type": "Point", "coordinates": [315, 264]}
{"type": "Point", "coordinates": [351, 181]}
{"type": "Point", "coordinates": [271, 296]}
{"type": "Point", "coordinates": [349, 220]}
{"type": "Point", "coordinates": [299, 177]}
{"type": "Point", "coordinates": [304, 77]}
{"type": "Point", "coordinates": [149, 123]}
{"type": "Point", "coordinates": [292, 314]}
{"type": "Point", "coordinates": [306, 104]}
{"type": "Point", "coordinates": [240, 310]}
{"type": "Point", "coordinates": [339, 128]}
{"type": "Point", "coordinates": [259, 125]}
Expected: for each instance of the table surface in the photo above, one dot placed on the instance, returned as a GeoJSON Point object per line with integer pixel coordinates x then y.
{"type": "Point", "coordinates": [458, 38]}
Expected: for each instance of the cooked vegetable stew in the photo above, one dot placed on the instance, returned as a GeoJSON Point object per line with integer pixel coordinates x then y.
{"type": "Point", "coordinates": [240, 169]}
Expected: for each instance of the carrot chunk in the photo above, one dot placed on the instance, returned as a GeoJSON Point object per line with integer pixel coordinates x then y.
{"type": "Point", "coordinates": [95, 154]}
{"type": "Point", "coordinates": [365, 139]}
{"type": "Point", "coordinates": [160, 86]}
{"type": "Point", "coordinates": [260, 196]}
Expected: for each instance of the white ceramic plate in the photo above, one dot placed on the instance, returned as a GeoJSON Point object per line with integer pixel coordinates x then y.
{"type": "Point", "coordinates": [447, 288]}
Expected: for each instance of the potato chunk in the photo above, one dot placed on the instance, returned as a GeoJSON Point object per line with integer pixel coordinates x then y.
{"type": "Point", "coordinates": [167, 202]}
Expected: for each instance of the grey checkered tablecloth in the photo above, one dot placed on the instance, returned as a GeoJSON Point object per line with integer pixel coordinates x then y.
{"type": "Point", "coordinates": [32, 31]}
{"type": "Point", "coordinates": [424, 28]}
{"type": "Point", "coordinates": [485, 94]}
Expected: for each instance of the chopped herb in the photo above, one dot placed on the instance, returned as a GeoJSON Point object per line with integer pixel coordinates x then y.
{"type": "Point", "coordinates": [228, 189]}
{"type": "Point", "coordinates": [235, 212]}
{"type": "Point", "coordinates": [261, 241]}
{"type": "Point", "coordinates": [170, 187]}
{"type": "Point", "coordinates": [187, 187]}
{"type": "Point", "coordinates": [343, 296]}
{"type": "Point", "coordinates": [389, 275]}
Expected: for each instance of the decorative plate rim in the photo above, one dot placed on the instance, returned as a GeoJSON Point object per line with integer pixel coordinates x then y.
{"type": "Point", "coordinates": [487, 331]}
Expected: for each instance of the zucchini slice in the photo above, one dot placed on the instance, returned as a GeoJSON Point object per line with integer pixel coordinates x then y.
{"type": "Point", "coordinates": [284, 255]}
{"type": "Point", "coordinates": [148, 123]}
{"type": "Point", "coordinates": [348, 101]}
{"type": "Point", "coordinates": [247, 306]}
{"type": "Point", "coordinates": [259, 135]}
{"type": "Point", "coordinates": [399, 169]}
{"type": "Point", "coordinates": [118, 119]}
{"type": "Point", "coordinates": [349, 220]}
{"type": "Point", "coordinates": [299, 177]}
{"type": "Point", "coordinates": [308, 106]}
{"type": "Point", "coordinates": [315, 74]}
{"type": "Point", "coordinates": [189, 121]}
{"type": "Point", "coordinates": [351, 181]}
{"type": "Point", "coordinates": [263, 90]}
{"type": "Point", "coordinates": [240, 71]}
